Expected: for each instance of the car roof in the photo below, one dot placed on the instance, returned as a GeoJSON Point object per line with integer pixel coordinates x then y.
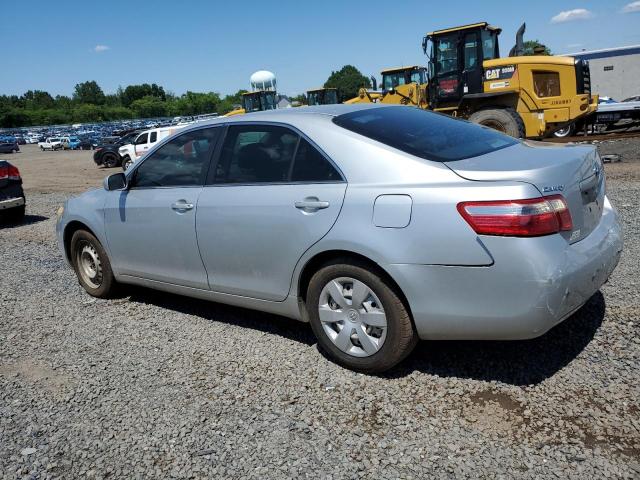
{"type": "Point", "coordinates": [290, 115]}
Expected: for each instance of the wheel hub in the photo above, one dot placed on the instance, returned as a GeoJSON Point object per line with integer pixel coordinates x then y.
{"type": "Point", "coordinates": [352, 317]}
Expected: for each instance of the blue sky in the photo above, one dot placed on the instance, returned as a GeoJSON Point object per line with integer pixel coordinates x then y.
{"type": "Point", "coordinates": [215, 46]}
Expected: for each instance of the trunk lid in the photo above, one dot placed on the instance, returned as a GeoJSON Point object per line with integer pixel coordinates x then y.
{"type": "Point", "coordinates": [574, 171]}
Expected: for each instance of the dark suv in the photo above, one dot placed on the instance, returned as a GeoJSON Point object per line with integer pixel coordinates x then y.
{"type": "Point", "coordinates": [107, 154]}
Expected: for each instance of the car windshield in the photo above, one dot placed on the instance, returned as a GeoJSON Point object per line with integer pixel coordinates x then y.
{"type": "Point", "coordinates": [54, 139]}
{"type": "Point", "coordinates": [427, 135]}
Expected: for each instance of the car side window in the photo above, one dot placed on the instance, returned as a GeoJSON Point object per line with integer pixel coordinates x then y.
{"type": "Point", "coordinates": [183, 161]}
{"type": "Point", "coordinates": [256, 154]}
{"type": "Point", "coordinates": [142, 139]}
{"type": "Point", "coordinates": [311, 166]}
{"type": "Point", "coordinates": [153, 137]}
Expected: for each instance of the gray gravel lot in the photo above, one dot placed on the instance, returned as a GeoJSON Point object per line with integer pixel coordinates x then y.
{"type": "Point", "coordinates": [158, 386]}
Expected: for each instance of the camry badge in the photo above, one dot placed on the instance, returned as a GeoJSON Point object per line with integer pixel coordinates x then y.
{"type": "Point", "coordinates": [553, 188]}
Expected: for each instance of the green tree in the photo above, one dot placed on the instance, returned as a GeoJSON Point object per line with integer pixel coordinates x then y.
{"type": "Point", "coordinates": [35, 99]}
{"type": "Point", "coordinates": [149, 107]}
{"type": "Point", "coordinates": [229, 102]}
{"type": "Point", "coordinates": [88, 92]}
{"type": "Point", "coordinates": [530, 47]}
{"type": "Point", "coordinates": [348, 80]}
{"type": "Point", "coordinates": [137, 92]}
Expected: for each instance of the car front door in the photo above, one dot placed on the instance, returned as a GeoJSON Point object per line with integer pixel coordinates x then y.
{"type": "Point", "coordinates": [150, 226]}
{"type": "Point", "coordinates": [271, 196]}
{"type": "Point", "coordinates": [141, 145]}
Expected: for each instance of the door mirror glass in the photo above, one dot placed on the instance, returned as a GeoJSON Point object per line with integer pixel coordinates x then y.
{"type": "Point", "coordinates": [117, 181]}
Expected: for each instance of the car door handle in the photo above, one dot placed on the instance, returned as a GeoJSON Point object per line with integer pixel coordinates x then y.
{"type": "Point", "coordinates": [311, 204]}
{"type": "Point", "coordinates": [182, 205]}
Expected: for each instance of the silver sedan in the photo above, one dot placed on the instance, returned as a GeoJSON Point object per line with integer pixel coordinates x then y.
{"type": "Point", "coordinates": [379, 225]}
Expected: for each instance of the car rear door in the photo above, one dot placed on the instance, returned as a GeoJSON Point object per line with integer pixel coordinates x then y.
{"type": "Point", "coordinates": [150, 226]}
{"type": "Point", "coordinates": [271, 196]}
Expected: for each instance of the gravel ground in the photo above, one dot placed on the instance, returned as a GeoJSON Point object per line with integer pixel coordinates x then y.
{"type": "Point", "coordinates": [158, 386]}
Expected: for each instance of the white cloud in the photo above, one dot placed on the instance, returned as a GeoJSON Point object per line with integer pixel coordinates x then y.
{"type": "Point", "coordinates": [631, 7]}
{"type": "Point", "coordinates": [571, 15]}
{"type": "Point", "coordinates": [101, 48]}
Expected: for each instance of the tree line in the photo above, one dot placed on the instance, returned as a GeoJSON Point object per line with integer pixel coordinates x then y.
{"type": "Point", "coordinates": [89, 103]}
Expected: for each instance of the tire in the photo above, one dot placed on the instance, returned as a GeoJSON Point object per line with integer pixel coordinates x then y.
{"type": "Point", "coordinates": [14, 215]}
{"type": "Point", "coordinates": [110, 160]}
{"type": "Point", "coordinates": [385, 346]}
{"type": "Point", "coordinates": [41, 148]}
{"type": "Point", "coordinates": [505, 120]}
{"type": "Point", "coordinates": [126, 162]}
{"type": "Point", "coordinates": [88, 256]}
{"type": "Point", "coordinates": [567, 131]}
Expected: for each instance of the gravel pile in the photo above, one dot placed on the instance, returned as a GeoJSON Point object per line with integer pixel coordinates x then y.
{"type": "Point", "coordinates": [158, 386]}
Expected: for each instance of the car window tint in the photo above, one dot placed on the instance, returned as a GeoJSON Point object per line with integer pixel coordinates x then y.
{"type": "Point", "coordinates": [183, 161]}
{"type": "Point", "coordinates": [153, 137]}
{"type": "Point", "coordinates": [256, 154]}
{"type": "Point", "coordinates": [311, 166]}
{"type": "Point", "coordinates": [142, 139]}
{"type": "Point", "coordinates": [427, 135]}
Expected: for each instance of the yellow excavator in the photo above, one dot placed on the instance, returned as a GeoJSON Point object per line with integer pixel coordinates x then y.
{"type": "Point", "coordinates": [523, 96]}
{"type": "Point", "coordinates": [256, 101]}
{"type": "Point", "coordinates": [322, 96]}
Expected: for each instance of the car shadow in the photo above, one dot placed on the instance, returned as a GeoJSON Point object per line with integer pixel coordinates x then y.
{"type": "Point", "coordinates": [27, 220]}
{"type": "Point", "coordinates": [518, 362]}
{"type": "Point", "coordinates": [241, 317]}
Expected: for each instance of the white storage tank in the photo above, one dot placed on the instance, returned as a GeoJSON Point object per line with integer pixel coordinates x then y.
{"type": "Point", "coordinates": [263, 80]}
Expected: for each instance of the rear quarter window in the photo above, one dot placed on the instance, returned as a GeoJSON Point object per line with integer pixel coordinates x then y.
{"type": "Point", "coordinates": [427, 135]}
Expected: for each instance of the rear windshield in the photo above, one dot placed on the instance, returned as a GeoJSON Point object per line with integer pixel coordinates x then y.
{"type": "Point", "coordinates": [424, 134]}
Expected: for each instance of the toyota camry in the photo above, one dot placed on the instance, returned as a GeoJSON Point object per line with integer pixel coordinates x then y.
{"type": "Point", "coordinates": [378, 225]}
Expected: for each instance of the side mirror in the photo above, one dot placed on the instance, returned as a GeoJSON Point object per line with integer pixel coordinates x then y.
{"type": "Point", "coordinates": [117, 181]}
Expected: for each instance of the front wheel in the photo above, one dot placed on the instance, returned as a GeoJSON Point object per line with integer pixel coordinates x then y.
{"type": "Point", "coordinates": [92, 265]}
{"type": "Point", "coordinates": [126, 162]}
{"type": "Point", "coordinates": [505, 120]}
{"type": "Point", "coordinates": [358, 318]}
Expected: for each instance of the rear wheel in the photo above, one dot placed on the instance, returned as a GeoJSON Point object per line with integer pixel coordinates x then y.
{"type": "Point", "coordinates": [110, 160]}
{"type": "Point", "coordinates": [126, 162]}
{"type": "Point", "coordinates": [358, 318]}
{"type": "Point", "coordinates": [505, 120]}
{"type": "Point", "coordinates": [565, 132]}
{"type": "Point", "coordinates": [14, 215]}
{"type": "Point", "coordinates": [92, 265]}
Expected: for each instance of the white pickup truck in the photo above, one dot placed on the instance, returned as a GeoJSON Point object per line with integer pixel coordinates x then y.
{"type": "Point", "coordinates": [146, 140]}
{"type": "Point", "coordinates": [51, 143]}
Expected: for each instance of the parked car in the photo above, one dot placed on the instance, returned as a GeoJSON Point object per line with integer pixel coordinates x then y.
{"type": "Point", "coordinates": [143, 142]}
{"type": "Point", "coordinates": [70, 143]}
{"type": "Point", "coordinates": [108, 154]}
{"type": "Point", "coordinates": [9, 146]}
{"type": "Point", "coordinates": [380, 225]}
{"type": "Point", "coordinates": [85, 144]}
{"type": "Point", "coordinates": [635, 98]}
{"type": "Point", "coordinates": [51, 143]}
{"type": "Point", "coordinates": [12, 200]}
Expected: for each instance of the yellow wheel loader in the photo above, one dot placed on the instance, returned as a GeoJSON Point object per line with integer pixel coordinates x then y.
{"type": "Point", "coordinates": [255, 102]}
{"type": "Point", "coordinates": [523, 96]}
{"type": "Point", "coordinates": [322, 96]}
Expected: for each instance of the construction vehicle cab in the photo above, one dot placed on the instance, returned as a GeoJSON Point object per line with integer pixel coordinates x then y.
{"type": "Point", "coordinates": [256, 102]}
{"type": "Point", "coordinates": [523, 96]}
{"type": "Point", "coordinates": [456, 57]}
{"type": "Point", "coordinates": [322, 96]}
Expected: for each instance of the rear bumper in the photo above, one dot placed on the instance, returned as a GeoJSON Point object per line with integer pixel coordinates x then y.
{"type": "Point", "coordinates": [533, 284]}
{"type": "Point", "coordinates": [8, 203]}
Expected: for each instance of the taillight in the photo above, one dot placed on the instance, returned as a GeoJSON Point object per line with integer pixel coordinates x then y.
{"type": "Point", "coordinates": [518, 218]}
{"type": "Point", "coordinates": [9, 172]}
